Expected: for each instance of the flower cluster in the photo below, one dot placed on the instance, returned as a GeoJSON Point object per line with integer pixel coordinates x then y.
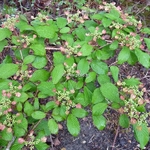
{"type": "Point", "coordinates": [133, 98]}
{"type": "Point", "coordinates": [78, 17]}
{"type": "Point", "coordinates": [71, 71]}
{"type": "Point", "coordinates": [32, 141]}
{"type": "Point", "coordinates": [40, 17]}
{"type": "Point", "coordinates": [64, 99]}
{"type": "Point", "coordinates": [26, 40]}
{"type": "Point", "coordinates": [97, 34]}
{"type": "Point", "coordinates": [20, 75]}
{"type": "Point", "coordinates": [130, 40]}
{"type": "Point", "coordinates": [10, 22]}
{"type": "Point", "coordinates": [128, 20]}
{"type": "Point", "coordinates": [69, 50]}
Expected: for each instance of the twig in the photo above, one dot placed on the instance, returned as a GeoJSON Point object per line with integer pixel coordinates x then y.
{"type": "Point", "coordinates": [10, 143]}
{"type": "Point", "coordinates": [52, 143]}
{"type": "Point", "coordinates": [115, 137]}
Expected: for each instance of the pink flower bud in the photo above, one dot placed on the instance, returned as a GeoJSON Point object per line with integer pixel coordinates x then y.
{"type": "Point", "coordinates": [78, 106]}
{"type": "Point", "coordinates": [79, 54]}
{"type": "Point", "coordinates": [122, 97]}
{"type": "Point", "coordinates": [72, 91]}
{"type": "Point", "coordinates": [19, 87]}
{"type": "Point", "coordinates": [18, 94]}
{"type": "Point", "coordinates": [43, 139]}
{"type": "Point", "coordinates": [13, 102]}
{"type": "Point", "coordinates": [9, 130]}
{"type": "Point", "coordinates": [103, 31]}
{"type": "Point", "coordinates": [2, 127]}
{"type": "Point", "coordinates": [21, 140]}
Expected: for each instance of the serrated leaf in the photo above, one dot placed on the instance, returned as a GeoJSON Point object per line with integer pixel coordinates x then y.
{"type": "Point", "coordinates": [65, 30]}
{"type": "Point", "coordinates": [143, 58]}
{"type": "Point", "coordinates": [4, 33]}
{"type": "Point", "coordinates": [103, 78]}
{"type": "Point", "coordinates": [87, 96]}
{"type": "Point", "coordinates": [7, 70]}
{"type": "Point", "coordinates": [123, 55]}
{"type": "Point", "coordinates": [90, 77]}
{"type": "Point", "coordinates": [53, 126]}
{"type": "Point", "coordinates": [22, 98]}
{"type": "Point", "coordinates": [40, 75]}
{"type": "Point", "coordinates": [124, 121]}
{"type": "Point", "coordinates": [106, 22]}
{"type": "Point", "coordinates": [86, 50]}
{"type": "Point", "coordinates": [97, 96]}
{"type": "Point", "coordinates": [110, 91]}
{"type": "Point", "coordinates": [80, 32]}
{"type": "Point", "coordinates": [46, 88]}
{"type": "Point", "coordinates": [98, 109]}
{"type": "Point", "coordinates": [28, 108]}
{"type": "Point", "coordinates": [79, 112]}
{"type": "Point", "coordinates": [99, 67]}
{"type": "Point", "coordinates": [3, 44]}
{"type": "Point", "coordinates": [99, 121]}
{"type": "Point", "coordinates": [57, 73]}
{"type": "Point", "coordinates": [73, 125]}
{"type": "Point", "coordinates": [147, 41]}
{"type": "Point", "coordinates": [132, 82]}
{"type": "Point", "coordinates": [38, 49]}
{"type": "Point", "coordinates": [39, 62]}
{"type": "Point", "coordinates": [83, 66]}
{"type": "Point", "coordinates": [38, 115]}
{"type": "Point", "coordinates": [28, 59]}
{"type": "Point", "coordinates": [61, 22]}
{"type": "Point", "coordinates": [114, 72]}
{"type": "Point", "coordinates": [114, 45]}
{"type": "Point", "coordinates": [58, 58]}
{"type": "Point", "coordinates": [45, 31]}
{"type": "Point", "coordinates": [142, 134]}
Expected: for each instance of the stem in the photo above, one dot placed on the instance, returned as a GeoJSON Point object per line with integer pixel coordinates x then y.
{"type": "Point", "coordinates": [21, 54]}
{"type": "Point", "coordinates": [113, 146]}
{"type": "Point", "coordinates": [10, 143]}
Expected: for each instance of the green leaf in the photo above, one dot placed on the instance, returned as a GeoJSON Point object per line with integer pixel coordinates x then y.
{"type": "Point", "coordinates": [124, 121]}
{"type": "Point", "coordinates": [98, 109]}
{"type": "Point", "coordinates": [36, 104]}
{"type": "Point", "coordinates": [143, 58]}
{"type": "Point", "coordinates": [29, 59]}
{"type": "Point", "coordinates": [3, 44]}
{"type": "Point", "coordinates": [142, 134]}
{"type": "Point", "coordinates": [45, 31]}
{"type": "Point", "coordinates": [17, 146]}
{"type": "Point", "coordinates": [97, 96]}
{"type": "Point", "coordinates": [39, 62]}
{"type": "Point", "coordinates": [87, 96]}
{"type": "Point", "coordinates": [53, 126]}
{"type": "Point", "coordinates": [22, 98]}
{"type": "Point", "coordinates": [106, 22]}
{"type": "Point", "coordinates": [86, 50]}
{"type": "Point", "coordinates": [28, 108]}
{"type": "Point", "coordinates": [57, 73]}
{"type": "Point", "coordinates": [132, 82]}
{"type": "Point", "coordinates": [147, 41]}
{"type": "Point", "coordinates": [46, 88]}
{"type": "Point", "coordinates": [4, 33]}
{"type": "Point", "coordinates": [19, 131]}
{"type": "Point", "coordinates": [61, 22]}
{"type": "Point", "coordinates": [7, 70]}
{"type": "Point", "coordinates": [99, 121]}
{"type": "Point", "coordinates": [114, 72]}
{"type": "Point", "coordinates": [114, 45]}
{"type": "Point", "coordinates": [38, 49]}
{"type": "Point", "coordinates": [65, 30]}
{"type": "Point", "coordinates": [146, 30]}
{"type": "Point", "coordinates": [110, 92]}
{"type": "Point", "coordinates": [103, 78]}
{"type": "Point", "coordinates": [123, 55]}
{"type": "Point", "coordinates": [40, 75]}
{"type": "Point", "coordinates": [24, 26]}
{"type": "Point", "coordinates": [50, 105]}
{"type": "Point", "coordinates": [90, 77]}
{"type": "Point", "coordinates": [73, 125]}
{"type": "Point", "coordinates": [58, 58]}
{"type": "Point", "coordinates": [99, 67]}
{"type": "Point", "coordinates": [80, 32]}
{"type": "Point", "coordinates": [79, 112]}
{"type": "Point", "coordinates": [97, 16]}
{"type": "Point", "coordinates": [7, 136]}
{"type": "Point", "coordinates": [41, 146]}
{"type": "Point", "coordinates": [38, 115]}
{"type": "Point", "coordinates": [83, 66]}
